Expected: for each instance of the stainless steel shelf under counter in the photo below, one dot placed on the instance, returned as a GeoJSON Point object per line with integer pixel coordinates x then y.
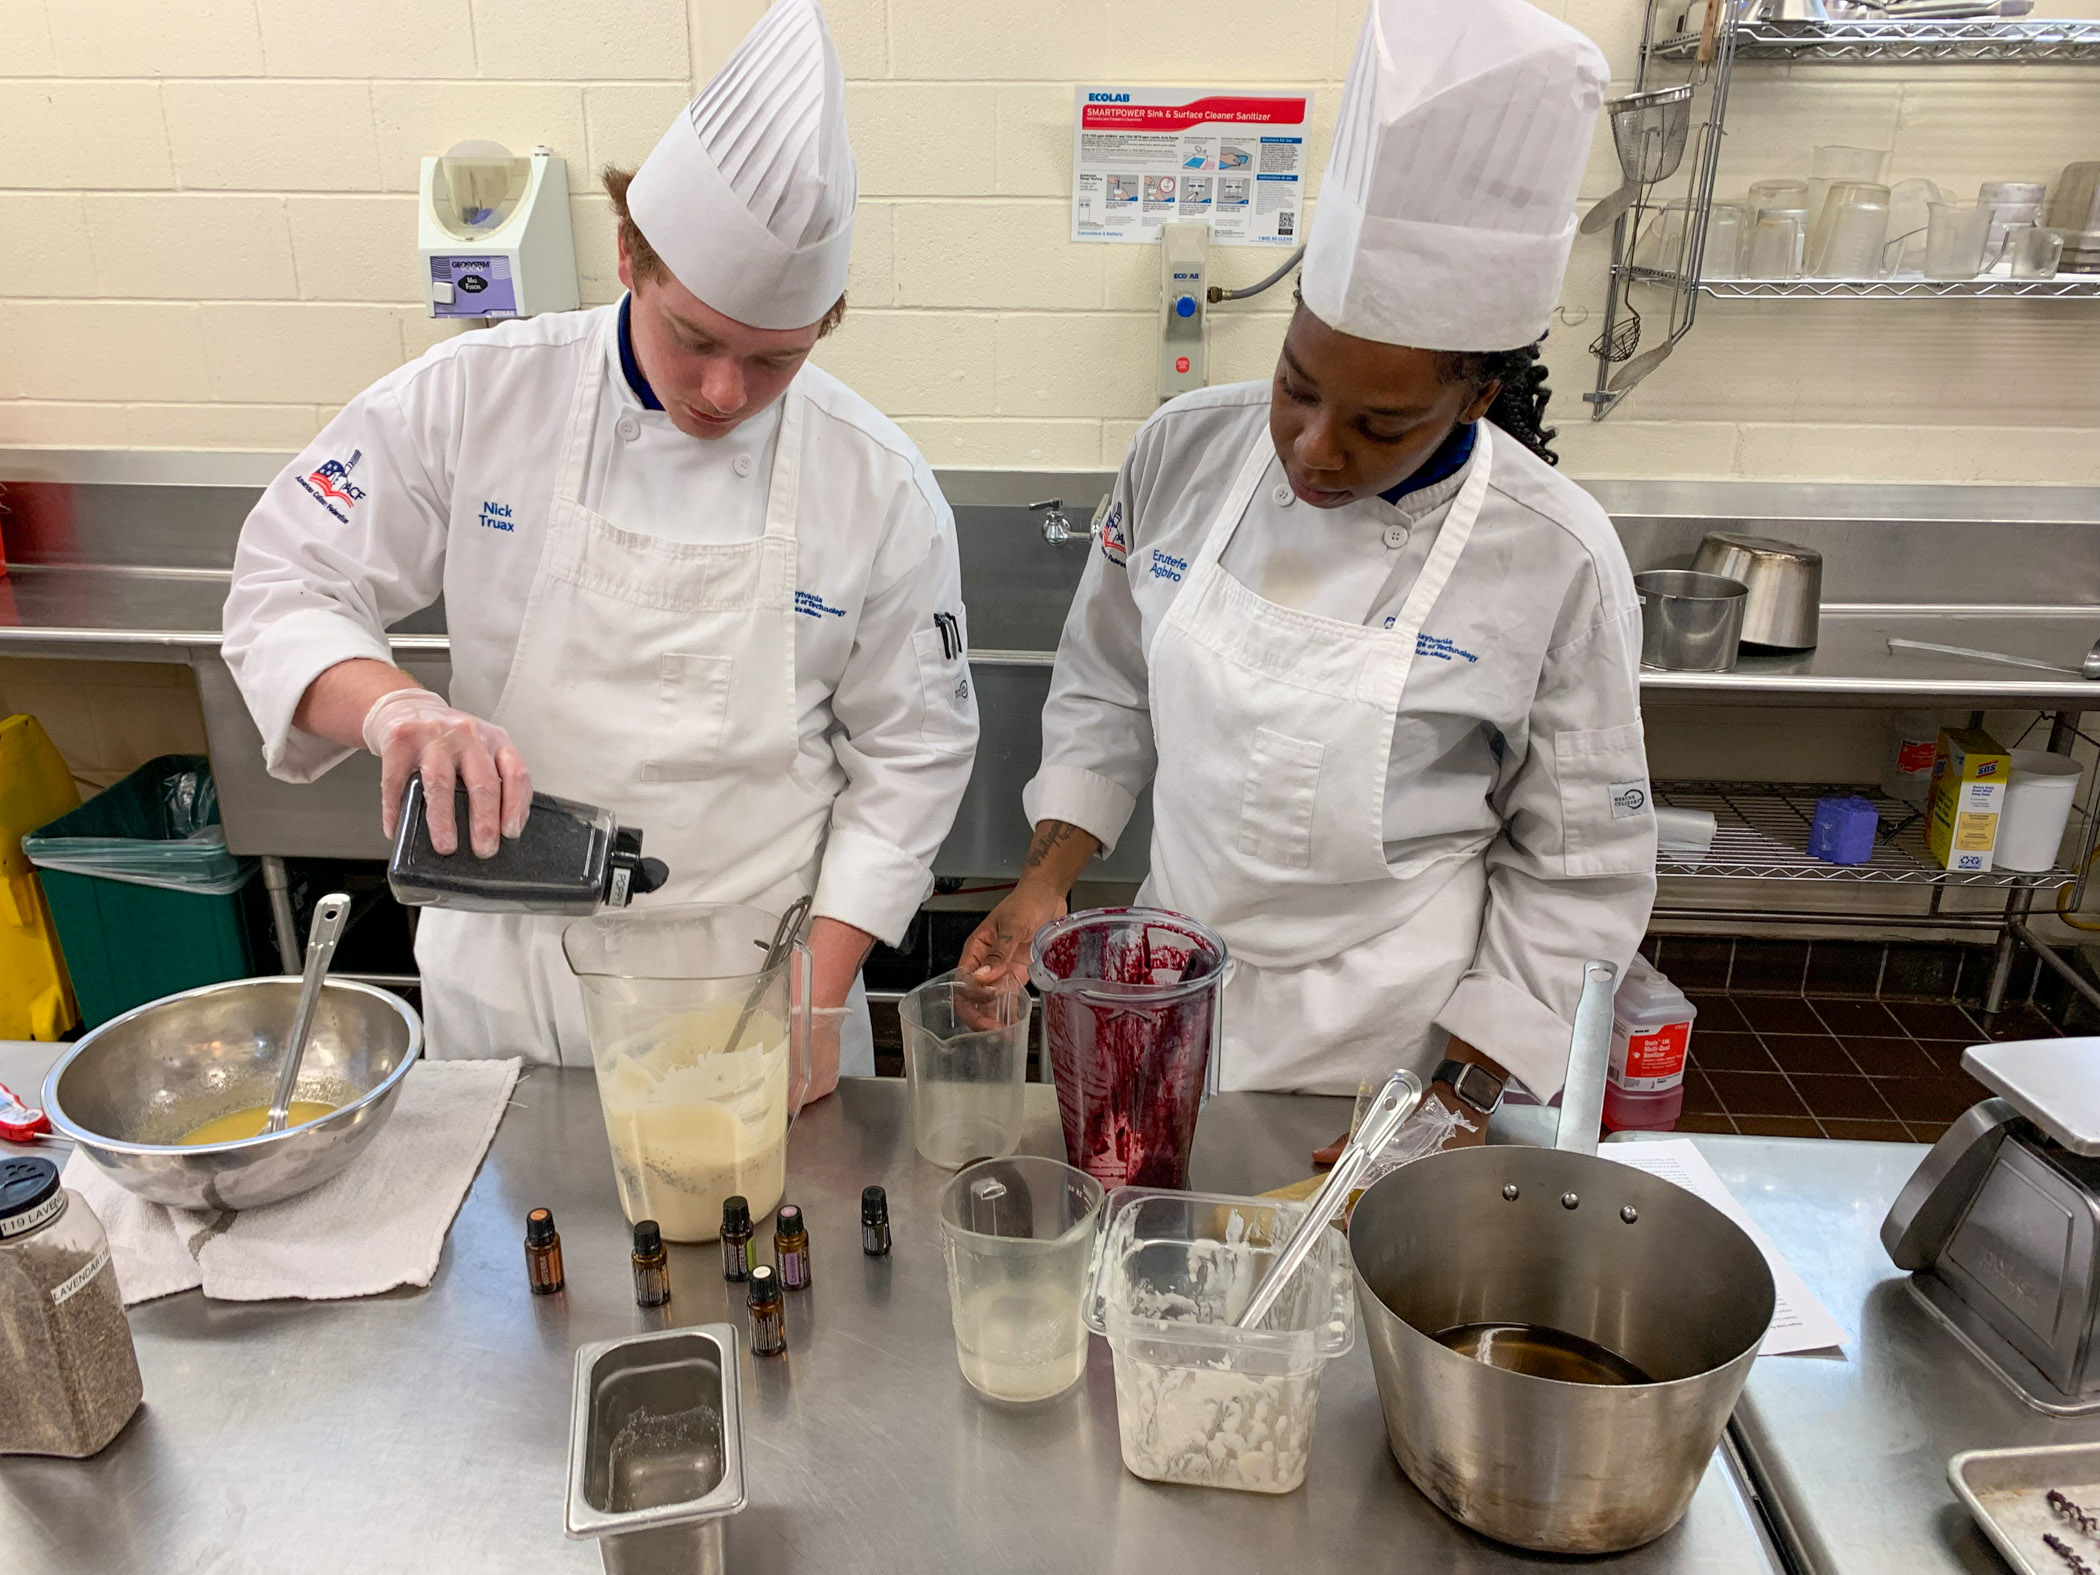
{"type": "Point", "coordinates": [427, 1430]}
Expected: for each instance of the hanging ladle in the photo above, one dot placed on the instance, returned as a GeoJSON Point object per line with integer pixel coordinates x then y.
{"type": "Point", "coordinates": [330, 915]}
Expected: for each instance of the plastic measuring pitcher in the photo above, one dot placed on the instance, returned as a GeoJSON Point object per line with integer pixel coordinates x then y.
{"type": "Point", "coordinates": [702, 1058]}
{"type": "Point", "coordinates": [966, 1064]}
{"type": "Point", "coordinates": [1130, 1006]}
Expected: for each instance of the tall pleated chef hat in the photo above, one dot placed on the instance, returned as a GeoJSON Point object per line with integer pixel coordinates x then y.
{"type": "Point", "coordinates": [749, 196]}
{"type": "Point", "coordinates": [1447, 213]}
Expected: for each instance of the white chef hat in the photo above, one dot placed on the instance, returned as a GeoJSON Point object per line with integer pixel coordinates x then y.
{"type": "Point", "coordinates": [1448, 209]}
{"type": "Point", "coordinates": [749, 196]}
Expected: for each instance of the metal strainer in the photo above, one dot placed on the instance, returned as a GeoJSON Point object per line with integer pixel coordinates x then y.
{"type": "Point", "coordinates": [1649, 130]}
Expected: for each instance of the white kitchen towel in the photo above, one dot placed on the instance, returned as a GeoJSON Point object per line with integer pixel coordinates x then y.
{"type": "Point", "coordinates": [379, 1224]}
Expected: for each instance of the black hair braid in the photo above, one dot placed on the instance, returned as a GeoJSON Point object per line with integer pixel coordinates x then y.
{"type": "Point", "coordinates": [1520, 404]}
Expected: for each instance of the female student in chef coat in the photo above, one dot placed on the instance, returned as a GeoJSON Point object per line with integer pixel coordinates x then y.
{"type": "Point", "coordinates": [1378, 659]}
{"type": "Point", "coordinates": [686, 576]}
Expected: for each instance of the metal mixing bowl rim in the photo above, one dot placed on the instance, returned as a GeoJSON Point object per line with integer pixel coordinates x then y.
{"type": "Point", "coordinates": [83, 1135]}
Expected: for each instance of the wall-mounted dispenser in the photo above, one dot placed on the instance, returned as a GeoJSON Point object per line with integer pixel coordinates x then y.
{"type": "Point", "coordinates": [1184, 313]}
{"type": "Point", "coordinates": [493, 230]}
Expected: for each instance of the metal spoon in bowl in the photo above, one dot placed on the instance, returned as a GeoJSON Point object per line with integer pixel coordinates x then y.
{"type": "Point", "coordinates": [330, 915]}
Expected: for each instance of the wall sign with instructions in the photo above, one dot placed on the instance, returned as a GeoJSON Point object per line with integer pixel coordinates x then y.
{"type": "Point", "coordinates": [1232, 158]}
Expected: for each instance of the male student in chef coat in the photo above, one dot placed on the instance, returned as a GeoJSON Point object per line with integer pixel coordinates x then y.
{"type": "Point", "coordinates": [687, 576]}
{"type": "Point", "coordinates": [1377, 658]}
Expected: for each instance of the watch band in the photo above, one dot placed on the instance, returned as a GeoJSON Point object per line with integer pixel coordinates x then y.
{"type": "Point", "coordinates": [1475, 1085]}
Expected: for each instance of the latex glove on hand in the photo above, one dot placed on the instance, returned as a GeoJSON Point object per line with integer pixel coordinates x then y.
{"type": "Point", "coordinates": [995, 957]}
{"type": "Point", "coordinates": [415, 730]}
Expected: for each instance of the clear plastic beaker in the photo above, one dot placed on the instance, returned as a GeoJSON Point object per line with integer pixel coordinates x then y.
{"type": "Point", "coordinates": [1130, 1008]}
{"type": "Point", "coordinates": [702, 1061]}
{"type": "Point", "coordinates": [966, 1064]}
{"type": "Point", "coordinates": [1017, 1234]}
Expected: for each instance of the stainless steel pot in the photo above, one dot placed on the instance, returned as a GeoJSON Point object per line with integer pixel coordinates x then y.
{"type": "Point", "coordinates": [1785, 582]}
{"type": "Point", "coordinates": [1690, 623]}
{"type": "Point", "coordinates": [1564, 1241]}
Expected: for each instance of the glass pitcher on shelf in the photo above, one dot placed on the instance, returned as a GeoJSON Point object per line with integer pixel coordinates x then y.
{"type": "Point", "coordinates": [703, 1057]}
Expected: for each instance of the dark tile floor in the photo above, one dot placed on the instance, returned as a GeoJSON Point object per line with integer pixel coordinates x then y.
{"type": "Point", "coordinates": [1817, 1066]}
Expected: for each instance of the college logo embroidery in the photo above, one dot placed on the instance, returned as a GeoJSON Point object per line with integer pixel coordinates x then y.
{"type": "Point", "coordinates": [811, 605]}
{"type": "Point", "coordinates": [1115, 541]}
{"type": "Point", "coordinates": [329, 485]}
{"type": "Point", "coordinates": [1628, 798]}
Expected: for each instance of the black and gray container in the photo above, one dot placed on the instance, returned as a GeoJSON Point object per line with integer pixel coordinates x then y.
{"type": "Point", "coordinates": [571, 858]}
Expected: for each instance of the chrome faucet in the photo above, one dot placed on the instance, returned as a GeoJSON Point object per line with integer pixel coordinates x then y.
{"type": "Point", "coordinates": [1057, 529]}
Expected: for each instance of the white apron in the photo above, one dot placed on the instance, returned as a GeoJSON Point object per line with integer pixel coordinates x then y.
{"type": "Point", "coordinates": [1275, 734]}
{"type": "Point", "coordinates": [656, 678]}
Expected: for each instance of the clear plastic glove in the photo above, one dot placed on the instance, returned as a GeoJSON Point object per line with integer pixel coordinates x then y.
{"type": "Point", "coordinates": [415, 730]}
{"type": "Point", "coordinates": [826, 1024]}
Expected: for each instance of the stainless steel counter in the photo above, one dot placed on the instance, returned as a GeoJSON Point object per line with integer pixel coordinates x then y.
{"type": "Point", "coordinates": [425, 1430]}
{"type": "Point", "coordinates": [1853, 1452]}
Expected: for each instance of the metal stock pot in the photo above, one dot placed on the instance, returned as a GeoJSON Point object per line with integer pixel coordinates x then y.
{"type": "Point", "coordinates": [1557, 1240]}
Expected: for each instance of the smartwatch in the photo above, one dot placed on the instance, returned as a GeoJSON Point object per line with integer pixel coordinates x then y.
{"type": "Point", "coordinates": [1477, 1088]}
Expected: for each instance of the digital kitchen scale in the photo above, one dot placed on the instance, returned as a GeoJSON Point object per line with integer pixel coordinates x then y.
{"type": "Point", "coordinates": [2001, 1224]}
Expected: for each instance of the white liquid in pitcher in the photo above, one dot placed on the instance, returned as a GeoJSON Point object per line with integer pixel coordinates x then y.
{"type": "Point", "coordinates": [691, 1124]}
{"type": "Point", "coordinates": [1021, 1341]}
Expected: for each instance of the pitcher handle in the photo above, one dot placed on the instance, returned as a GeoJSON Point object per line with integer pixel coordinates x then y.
{"type": "Point", "coordinates": [801, 998]}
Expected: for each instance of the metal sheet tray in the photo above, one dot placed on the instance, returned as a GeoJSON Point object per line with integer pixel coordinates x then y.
{"type": "Point", "coordinates": [2004, 1490]}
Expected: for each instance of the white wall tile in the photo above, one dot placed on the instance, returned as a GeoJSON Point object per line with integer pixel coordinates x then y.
{"type": "Point", "coordinates": [381, 38]}
{"type": "Point", "coordinates": [25, 39]}
{"type": "Point", "coordinates": [1006, 445]}
{"type": "Point", "coordinates": [1226, 41]}
{"type": "Point", "coordinates": [297, 353]}
{"type": "Point", "coordinates": [1623, 446]}
{"type": "Point", "coordinates": [106, 350]}
{"type": "Point", "coordinates": [2065, 455]}
{"type": "Point", "coordinates": [717, 27]}
{"type": "Point", "coordinates": [286, 427]}
{"type": "Point", "coordinates": [1243, 349]}
{"type": "Point", "coordinates": [571, 40]}
{"type": "Point", "coordinates": [913, 140]}
{"type": "Point", "coordinates": [1007, 254]}
{"type": "Point", "coordinates": [1035, 142]}
{"type": "Point", "coordinates": [33, 423]}
{"type": "Point", "coordinates": [625, 121]}
{"type": "Point", "coordinates": [596, 231]}
{"type": "Point", "coordinates": [273, 136]}
{"type": "Point", "coordinates": [44, 245]}
{"type": "Point", "coordinates": [861, 29]}
{"type": "Point", "coordinates": [871, 280]}
{"type": "Point", "coordinates": [191, 246]}
{"type": "Point", "coordinates": [1053, 40]}
{"type": "Point", "coordinates": [69, 135]}
{"type": "Point", "coordinates": [419, 120]}
{"type": "Point", "coordinates": [915, 363]}
{"type": "Point", "coordinates": [420, 331]}
{"type": "Point", "coordinates": [151, 38]}
{"type": "Point", "coordinates": [1076, 364]}
{"type": "Point", "coordinates": [355, 248]}
{"type": "Point", "coordinates": [1613, 25]}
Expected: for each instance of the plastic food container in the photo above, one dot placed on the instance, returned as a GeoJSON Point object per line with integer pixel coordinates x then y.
{"type": "Point", "coordinates": [1197, 1401]}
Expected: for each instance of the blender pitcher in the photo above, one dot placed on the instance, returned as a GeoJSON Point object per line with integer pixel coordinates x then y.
{"type": "Point", "coordinates": [1131, 1010]}
{"type": "Point", "coordinates": [702, 1056]}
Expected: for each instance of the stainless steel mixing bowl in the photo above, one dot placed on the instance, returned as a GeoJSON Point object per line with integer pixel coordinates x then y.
{"type": "Point", "coordinates": [127, 1092]}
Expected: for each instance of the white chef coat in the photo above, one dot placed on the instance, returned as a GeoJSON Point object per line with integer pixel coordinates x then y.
{"type": "Point", "coordinates": [438, 478]}
{"type": "Point", "coordinates": [1517, 760]}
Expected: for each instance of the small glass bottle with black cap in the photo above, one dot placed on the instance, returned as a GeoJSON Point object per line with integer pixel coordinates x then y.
{"type": "Point", "coordinates": [768, 1316]}
{"type": "Point", "coordinates": [652, 1266]}
{"type": "Point", "coordinates": [874, 1222]}
{"type": "Point", "coordinates": [542, 1253]}
{"type": "Point", "coordinates": [736, 1237]}
{"type": "Point", "coordinates": [791, 1248]}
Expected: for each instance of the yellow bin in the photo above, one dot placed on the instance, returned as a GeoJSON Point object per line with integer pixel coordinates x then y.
{"type": "Point", "coordinates": [36, 1001]}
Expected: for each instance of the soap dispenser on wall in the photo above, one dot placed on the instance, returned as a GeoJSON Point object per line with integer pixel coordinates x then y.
{"type": "Point", "coordinates": [494, 235]}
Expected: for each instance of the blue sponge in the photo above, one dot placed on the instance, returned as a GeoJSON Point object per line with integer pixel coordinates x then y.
{"type": "Point", "coordinates": [1843, 832]}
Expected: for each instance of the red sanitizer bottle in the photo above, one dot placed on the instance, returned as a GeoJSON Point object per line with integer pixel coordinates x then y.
{"type": "Point", "coordinates": [1651, 1038]}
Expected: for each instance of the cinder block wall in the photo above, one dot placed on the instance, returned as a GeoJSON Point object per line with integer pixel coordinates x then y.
{"type": "Point", "coordinates": [207, 224]}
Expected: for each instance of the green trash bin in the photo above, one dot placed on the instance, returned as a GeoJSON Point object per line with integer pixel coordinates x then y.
{"type": "Point", "coordinates": [143, 893]}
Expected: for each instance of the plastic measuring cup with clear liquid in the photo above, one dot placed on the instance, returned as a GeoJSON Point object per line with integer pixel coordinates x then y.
{"type": "Point", "coordinates": [702, 1056]}
{"type": "Point", "coordinates": [966, 1062]}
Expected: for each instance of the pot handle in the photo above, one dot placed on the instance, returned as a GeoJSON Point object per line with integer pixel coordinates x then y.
{"type": "Point", "coordinates": [1589, 1055]}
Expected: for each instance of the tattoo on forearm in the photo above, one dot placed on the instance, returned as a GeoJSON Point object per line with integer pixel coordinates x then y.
{"type": "Point", "coordinates": [1049, 837]}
